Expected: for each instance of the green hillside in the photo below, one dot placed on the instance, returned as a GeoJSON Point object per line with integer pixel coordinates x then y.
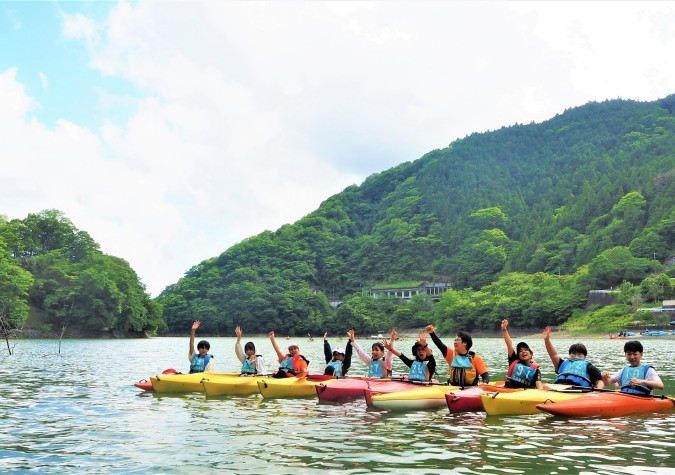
{"type": "Point", "coordinates": [584, 200]}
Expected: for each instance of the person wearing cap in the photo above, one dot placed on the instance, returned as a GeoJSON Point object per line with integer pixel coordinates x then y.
{"type": "Point", "coordinates": [465, 367]}
{"type": "Point", "coordinates": [574, 370]}
{"type": "Point", "coordinates": [292, 364]}
{"type": "Point", "coordinates": [378, 365]}
{"type": "Point", "coordinates": [338, 361]}
{"type": "Point", "coordinates": [423, 365]}
{"type": "Point", "coordinates": [251, 364]}
{"type": "Point", "coordinates": [523, 372]}
{"type": "Point", "coordinates": [200, 361]}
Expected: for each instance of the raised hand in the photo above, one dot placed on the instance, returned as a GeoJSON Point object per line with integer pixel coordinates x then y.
{"type": "Point", "coordinates": [350, 334]}
{"type": "Point", "coordinates": [196, 324]}
{"type": "Point", "coordinates": [237, 332]}
{"type": "Point", "coordinates": [430, 329]}
{"type": "Point", "coordinates": [271, 335]}
{"type": "Point", "coordinates": [547, 333]}
{"type": "Point", "coordinates": [505, 324]}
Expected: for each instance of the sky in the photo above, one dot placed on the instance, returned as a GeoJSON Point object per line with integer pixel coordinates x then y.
{"type": "Point", "coordinates": [170, 131]}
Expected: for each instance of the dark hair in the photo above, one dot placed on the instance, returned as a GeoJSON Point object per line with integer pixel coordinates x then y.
{"type": "Point", "coordinates": [466, 338]}
{"type": "Point", "coordinates": [633, 346]}
{"type": "Point", "coordinates": [578, 348]}
{"type": "Point", "coordinates": [415, 347]}
{"type": "Point", "coordinates": [379, 345]}
{"type": "Point", "coordinates": [249, 346]}
{"type": "Point", "coordinates": [204, 344]}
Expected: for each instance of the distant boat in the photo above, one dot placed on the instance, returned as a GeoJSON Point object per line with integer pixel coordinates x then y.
{"type": "Point", "coordinates": [655, 333]}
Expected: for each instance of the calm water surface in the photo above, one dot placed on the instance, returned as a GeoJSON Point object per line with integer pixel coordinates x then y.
{"type": "Point", "coordinates": [78, 412]}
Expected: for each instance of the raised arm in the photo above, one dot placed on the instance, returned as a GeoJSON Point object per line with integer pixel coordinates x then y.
{"type": "Point", "coordinates": [507, 338]}
{"type": "Point", "coordinates": [327, 352]}
{"type": "Point", "coordinates": [195, 325]}
{"type": "Point", "coordinates": [423, 341]}
{"type": "Point", "coordinates": [552, 353]}
{"type": "Point", "coordinates": [280, 355]}
{"type": "Point", "coordinates": [238, 350]}
{"type": "Point", "coordinates": [365, 357]}
{"type": "Point", "coordinates": [437, 341]}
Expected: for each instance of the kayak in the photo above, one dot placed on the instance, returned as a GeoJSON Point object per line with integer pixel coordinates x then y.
{"type": "Point", "coordinates": [272, 388]}
{"type": "Point", "coordinates": [183, 383]}
{"type": "Point", "coordinates": [231, 386]}
{"type": "Point", "coordinates": [608, 404]}
{"type": "Point", "coordinates": [468, 399]}
{"type": "Point", "coordinates": [354, 388]}
{"type": "Point", "coordinates": [419, 398]}
{"type": "Point", "coordinates": [522, 402]}
{"type": "Point", "coordinates": [144, 384]}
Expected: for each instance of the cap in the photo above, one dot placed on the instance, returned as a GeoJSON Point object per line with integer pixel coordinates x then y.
{"type": "Point", "coordinates": [339, 350]}
{"type": "Point", "coordinates": [291, 345]}
{"type": "Point", "coordinates": [524, 345]}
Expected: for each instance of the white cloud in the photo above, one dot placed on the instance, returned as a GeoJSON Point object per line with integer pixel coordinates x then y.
{"type": "Point", "coordinates": [249, 115]}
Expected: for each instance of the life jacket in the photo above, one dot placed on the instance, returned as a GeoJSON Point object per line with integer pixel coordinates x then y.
{"type": "Point", "coordinates": [248, 368]}
{"type": "Point", "coordinates": [376, 369]}
{"type": "Point", "coordinates": [630, 372]}
{"type": "Point", "coordinates": [573, 372]}
{"type": "Point", "coordinates": [521, 376]}
{"type": "Point", "coordinates": [290, 364]}
{"type": "Point", "coordinates": [337, 368]}
{"type": "Point", "coordinates": [462, 372]}
{"type": "Point", "coordinates": [198, 365]}
{"type": "Point", "coordinates": [418, 371]}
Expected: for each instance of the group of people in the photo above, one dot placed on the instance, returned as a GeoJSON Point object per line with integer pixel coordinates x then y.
{"type": "Point", "coordinates": [465, 367]}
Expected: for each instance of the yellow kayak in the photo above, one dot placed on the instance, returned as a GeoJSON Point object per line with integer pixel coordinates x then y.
{"type": "Point", "coordinates": [416, 398]}
{"type": "Point", "coordinates": [271, 388]}
{"type": "Point", "coordinates": [522, 402]}
{"type": "Point", "coordinates": [231, 386]}
{"type": "Point", "coordinates": [183, 383]}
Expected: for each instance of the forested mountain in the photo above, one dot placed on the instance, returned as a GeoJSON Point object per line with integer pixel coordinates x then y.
{"type": "Point", "coordinates": [57, 275]}
{"type": "Point", "coordinates": [523, 221]}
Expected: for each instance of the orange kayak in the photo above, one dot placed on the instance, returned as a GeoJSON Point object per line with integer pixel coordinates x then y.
{"type": "Point", "coordinates": [607, 404]}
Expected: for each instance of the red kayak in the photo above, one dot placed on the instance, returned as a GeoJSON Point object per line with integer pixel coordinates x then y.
{"type": "Point", "coordinates": [144, 385]}
{"type": "Point", "coordinates": [608, 404]}
{"type": "Point", "coordinates": [350, 388]}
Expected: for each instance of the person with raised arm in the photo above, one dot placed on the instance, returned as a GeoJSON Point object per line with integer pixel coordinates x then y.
{"type": "Point", "coordinates": [292, 364]}
{"type": "Point", "coordinates": [251, 364]}
{"type": "Point", "coordinates": [523, 372]}
{"type": "Point", "coordinates": [423, 365]}
{"type": "Point", "coordinates": [200, 361]}
{"type": "Point", "coordinates": [464, 366]}
{"type": "Point", "coordinates": [339, 361]}
{"type": "Point", "coordinates": [574, 370]}
{"type": "Point", "coordinates": [378, 365]}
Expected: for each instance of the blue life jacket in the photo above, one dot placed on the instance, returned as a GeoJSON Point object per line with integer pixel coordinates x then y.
{"type": "Point", "coordinates": [630, 372]}
{"type": "Point", "coordinates": [287, 365]}
{"type": "Point", "coordinates": [198, 364]}
{"type": "Point", "coordinates": [521, 376]}
{"type": "Point", "coordinates": [462, 372]}
{"type": "Point", "coordinates": [418, 371]}
{"type": "Point", "coordinates": [248, 368]}
{"type": "Point", "coordinates": [573, 372]}
{"type": "Point", "coordinates": [337, 368]}
{"type": "Point", "coordinates": [376, 369]}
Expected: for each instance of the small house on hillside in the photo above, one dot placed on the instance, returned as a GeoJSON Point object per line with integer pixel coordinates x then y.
{"type": "Point", "coordinates": [406, 290]}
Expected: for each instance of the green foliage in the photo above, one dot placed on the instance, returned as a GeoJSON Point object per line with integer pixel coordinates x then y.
{"type": "Point", "coordinates": [612, 318]}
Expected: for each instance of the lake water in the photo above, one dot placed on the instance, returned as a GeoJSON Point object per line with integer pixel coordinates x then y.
{"type": "Point", "coordinates": [78, 412]}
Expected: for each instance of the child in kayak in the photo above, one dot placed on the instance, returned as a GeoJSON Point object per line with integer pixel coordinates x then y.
{"type": "Point", "coordinates": [634, 378]}
{"type": "Point", "coordinates": [293, 364]}
{"type": "Point", "coordinates": [423, 366]}
{"type": "Point", "coordinates": [523, 372]}
{"type": "Point", "coordinates": [378, 365]}
{"type": "Point", "coordinates": [574, 370]}
{"type": "Point", "coordinates": [464, 366]}
{"type": "Point", "coordinates": [200, 361]}
{"type": "Point", "coordinates": [338, 361]}
{"type": "Point", "coordinates": [251, 364]}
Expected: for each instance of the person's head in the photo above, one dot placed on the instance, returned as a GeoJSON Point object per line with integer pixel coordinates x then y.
{"type": "Point", "coordinates": [578, 351]}
{"type": "Point", "coordinates": [338, 354]}
{"type": "Point", "coordinates": [633, 350]}
{"type": "Point", "coordinates": [249, 348]}
{"type": "Point", "coordinates": [463, 343]}
{"type": "Point", "coordinates": [523, 351]}
{"type": "Point", "coordinates": [419, 351]}
{"type": "Point", "coordinates": [203, 347]}
{"type": "Point", "coordinates": [293, 349]}
{"type": "Point", "coordinates": [377, 350]}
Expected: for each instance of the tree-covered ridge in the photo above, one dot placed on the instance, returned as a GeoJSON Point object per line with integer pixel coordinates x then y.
{"type": "Point", "coordinates": [569, 197]}
{"type": "Point", "coordinates": [57, 273]}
